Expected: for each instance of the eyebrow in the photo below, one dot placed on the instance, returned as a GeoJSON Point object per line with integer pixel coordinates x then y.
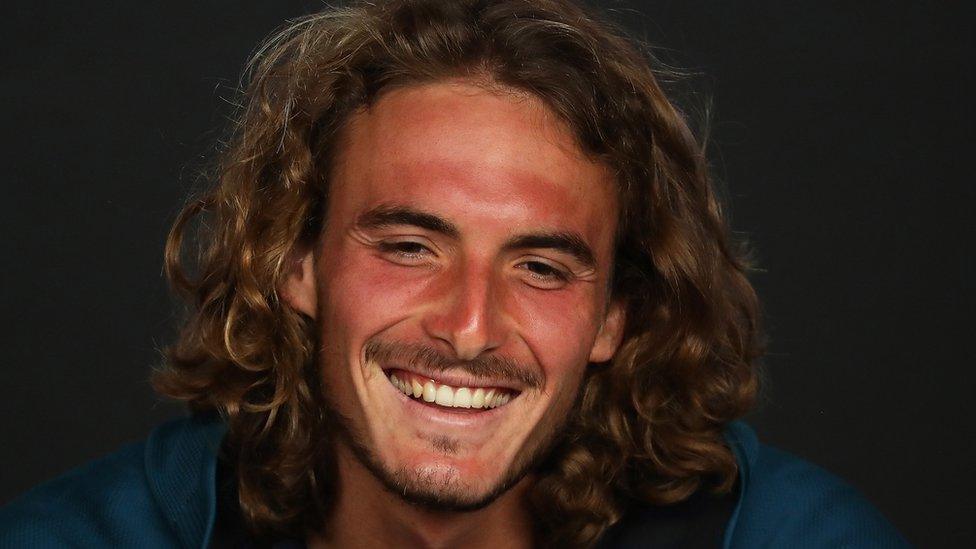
{"type": "Point", "coordinates": [566, 242]}
{"type": "Point", "coordinates": [385, 216]}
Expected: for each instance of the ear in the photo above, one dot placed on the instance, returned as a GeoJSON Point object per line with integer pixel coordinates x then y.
{"type": "Point", "coordinates": [297, 288]}
{"type": "Point", "coordinates": [610, 334]}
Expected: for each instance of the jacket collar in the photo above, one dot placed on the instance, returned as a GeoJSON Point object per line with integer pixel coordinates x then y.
{"type": "Point", "coordinates": [744, 444]}
{"type": "Point", "coordinates": [181, 468]}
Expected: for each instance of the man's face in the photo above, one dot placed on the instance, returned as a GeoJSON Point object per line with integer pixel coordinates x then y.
{"type": "Point", "coordinates": [460, 287]}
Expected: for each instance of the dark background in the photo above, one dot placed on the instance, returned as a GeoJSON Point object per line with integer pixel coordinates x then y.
{"type": "Point", "coordinates": [843, 132]}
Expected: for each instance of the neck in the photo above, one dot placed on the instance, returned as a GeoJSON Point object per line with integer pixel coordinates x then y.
{"type": "Point", "coordinates": [366, 514]}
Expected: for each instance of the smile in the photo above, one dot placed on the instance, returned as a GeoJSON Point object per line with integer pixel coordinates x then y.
{"type": "Point", "coordinates": [447, 396]}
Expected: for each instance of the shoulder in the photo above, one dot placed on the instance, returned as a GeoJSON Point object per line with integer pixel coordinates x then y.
{"type": "Point", "coordinates": [114, 501]}
{"type": "Point", "coordinates": [788, 502]}
{"type": "Point", "coordinates": [106, 502]}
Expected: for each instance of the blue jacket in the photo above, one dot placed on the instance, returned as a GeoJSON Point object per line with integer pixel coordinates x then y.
{"type": "Point", "coordinates": [161, 493]}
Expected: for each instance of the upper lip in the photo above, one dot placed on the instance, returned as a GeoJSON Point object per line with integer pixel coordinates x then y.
{"type": "Point", "coordinates": [457, 378]}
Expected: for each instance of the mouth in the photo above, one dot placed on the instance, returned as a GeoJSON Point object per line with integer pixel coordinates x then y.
{"type": "Point", "coordinates": [452, 398]}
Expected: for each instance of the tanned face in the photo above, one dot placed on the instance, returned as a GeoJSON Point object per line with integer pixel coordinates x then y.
{"type": "Point", "coordinates": [460, 288]}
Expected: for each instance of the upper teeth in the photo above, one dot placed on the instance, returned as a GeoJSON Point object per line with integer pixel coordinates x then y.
{"type": "Point", "coordinates": [451, 397]}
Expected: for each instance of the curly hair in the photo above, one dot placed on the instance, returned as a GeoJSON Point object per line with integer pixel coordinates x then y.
{"type": "Point", "coordinates": [648, 425]}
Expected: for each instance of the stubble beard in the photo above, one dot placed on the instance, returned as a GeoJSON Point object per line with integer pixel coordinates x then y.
{"type": "Point", "coordinates": [435, 491]}
{"type": "Point", "coordinates": [429, 490]}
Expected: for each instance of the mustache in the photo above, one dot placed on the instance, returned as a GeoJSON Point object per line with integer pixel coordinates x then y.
{"type": "Point", "coordinates": [426, 358]}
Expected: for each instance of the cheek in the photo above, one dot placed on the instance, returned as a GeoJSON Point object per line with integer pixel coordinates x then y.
{"type": "Point", "coordinates": [365, 292]}
{"type": "Point", "coordinates": [559, 327]}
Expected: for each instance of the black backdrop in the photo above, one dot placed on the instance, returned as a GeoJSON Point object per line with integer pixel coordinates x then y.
{"type": "Point", "coordinates": [843, 133]}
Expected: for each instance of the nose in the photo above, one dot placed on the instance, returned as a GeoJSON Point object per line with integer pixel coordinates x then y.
{"type": "Point", "coordinates": [467, 315]}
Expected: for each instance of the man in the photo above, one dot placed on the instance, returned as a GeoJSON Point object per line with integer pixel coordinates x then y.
{"type": "Point", "coordinates": [464, 282]}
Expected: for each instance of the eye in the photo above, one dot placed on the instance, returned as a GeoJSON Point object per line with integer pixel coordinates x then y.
{"type": "Point", "coordinates": [544, 275]}
{"type": "Point", "coordinates": [407, 252]}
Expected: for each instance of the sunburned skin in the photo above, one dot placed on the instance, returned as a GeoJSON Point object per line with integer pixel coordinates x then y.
{"type": "Point", "coordinates": [467, 246]}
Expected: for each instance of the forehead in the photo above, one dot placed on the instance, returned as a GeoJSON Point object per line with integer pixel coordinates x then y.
{"type": "Point", "coordinates": [465, 151]}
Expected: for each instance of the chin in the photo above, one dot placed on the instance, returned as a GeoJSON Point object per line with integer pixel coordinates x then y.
{"type": "Point", "coordinates": [438, 482]}
{"type": "Point", "coordinates": [444, 489]}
